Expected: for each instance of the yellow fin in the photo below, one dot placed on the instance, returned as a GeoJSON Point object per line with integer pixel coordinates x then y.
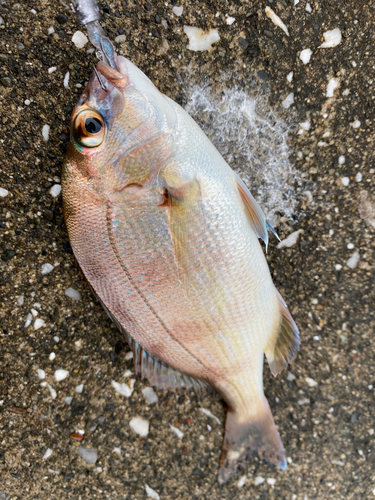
{"type": "Point", "coordinates": [284, 347]}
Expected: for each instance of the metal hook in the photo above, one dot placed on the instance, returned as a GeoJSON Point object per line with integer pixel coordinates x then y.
{"type": "Point", "coordinates": [101, 83]}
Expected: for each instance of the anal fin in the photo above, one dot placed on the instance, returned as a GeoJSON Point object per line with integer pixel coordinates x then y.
{"type": "Point", "coordinates": [161, 375]}
{"type": "Point", "coordinates": [158, 373]}
{"type": "Point", "coordinates": [284, 346]}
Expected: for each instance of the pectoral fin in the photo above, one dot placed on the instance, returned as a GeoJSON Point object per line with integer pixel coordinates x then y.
{"type": "Point", "coordinates": [254, 213]}
{"type": "Point", "coordinates": [185, 212]}
{"type": "Point", "coordinates": [283, 348]}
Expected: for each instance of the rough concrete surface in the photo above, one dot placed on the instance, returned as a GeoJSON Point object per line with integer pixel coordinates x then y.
{"type": "Point", "coordinates": [324, 408]}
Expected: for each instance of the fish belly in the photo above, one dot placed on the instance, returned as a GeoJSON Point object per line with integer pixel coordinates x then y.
{"type": "Point", "coordinates": [210, 319]}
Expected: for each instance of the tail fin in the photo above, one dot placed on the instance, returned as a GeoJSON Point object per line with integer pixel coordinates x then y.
{"type": "Point", "coordinates": [256, 435]}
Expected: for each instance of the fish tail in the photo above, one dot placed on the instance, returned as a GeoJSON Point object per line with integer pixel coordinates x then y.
{"type": "Point", "coordinates": [246, 436]}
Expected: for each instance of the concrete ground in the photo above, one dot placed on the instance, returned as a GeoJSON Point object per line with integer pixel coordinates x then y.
{"type": "Point", "coordinates": [324, 406]}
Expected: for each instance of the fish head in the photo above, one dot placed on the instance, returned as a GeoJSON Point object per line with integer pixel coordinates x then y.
{"type": "Point", "coordinates": [117, 117]}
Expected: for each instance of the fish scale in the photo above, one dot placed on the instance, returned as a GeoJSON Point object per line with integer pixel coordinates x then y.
{"type": "Point", "coordinates": [167, 236]}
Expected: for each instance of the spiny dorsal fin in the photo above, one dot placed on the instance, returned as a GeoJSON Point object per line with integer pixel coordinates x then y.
{"type": "Point", "coordinates": [254, 212]}
{"type": "Point", "coordinates": [286, 344]}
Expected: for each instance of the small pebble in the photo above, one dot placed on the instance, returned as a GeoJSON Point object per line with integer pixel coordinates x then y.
{"type": "Point", "coordinates": [47, 268]}
{"type": "Point", "coordinates": [290, 240]}
{"type": "Point", "coordinates": [20, 300]}
{"type": "Point", "coordinates": [332, 38]}
{"type": "Point", "coordinates": [177, 10]}
{"type": "Point", "coordinates": [341, 160]}
{"type": "Point", "coordinates": [68, 400]}
{"type": "Point", "coordinates": [76, 436]}
{"type": "Point", "coordinates": [3, 192]}
{"type": "Point", "coordinates": [150, 395]}
{"type": "Point", "coordinates": [139, 425]}
{"type": "Point", "coordinates": [311, 382]}
{"type": "Point", "coordinates": [73, 294]}
{"type": "Point", "coordinates": [200, 40]}
{"type": "Point", "coordinates": [304, 401]}
{"type": "Point", "coordinates": [47, 454]}
{"type": "Point", "coordinates": [29, 319]}
{"type": "Point", "coordinates": [338, 267]}
{"type": "Point", "coordinates": [124, 389]}
{"type": "Point", "coordinates": [45, 132]}
{"type": "Point", "coordinates": [350, 246]}
{"type": "Point", "coordinates": [209, 414]}
{"type": "Point", "coordinates": [290, 76]}
{"type": "Point", "coordinates": [259, 480]}
{"type": "Point", "coordinates": [230, 20]}
{"type": "Point", "coordinates": [271, 481]}
{"type": "Point", "coordinates": [305, 125]}
{"type": "Point", "coordinates": [39, 323]}
{"type": "Point", "coordinates": [308, 7]}
{"type": "Point", "coordinates": [88, 455]}
{"type": "Point", "coordinates": [51, 389]}
{"type": "Point", "coordinates": [79, 389]}
{"type": "Point", "coordinates": [345, 181]}
{"type": "Point", "coordinates": [242, 481]}
{"type": "Point", "coordinates": [66, 80]}
{"type": "Point", "coordinates": [55, 190]}
{"type": "Point", "coordinates": [305, 55]}
{"type": "Point", "coordinates": [353, 261]}
{"type": "Point", "coordinates": [120, 38]}
{"type": "Point", "coordinates": [79, 39]}
{"type": "Point", "coordinates": [358, 177]}
{"type": "Point", "coordinates": [276, 20]}
{"type": "Point", "coordinates": [51, 30]}
{"type": "Point", "coordinates": [151, 493]}
{"type": "Point", "coordinates": [288, 101]}
{"type": "Point", "coordinates": [52, 69]}
{"type": "Point", "coordinates": [41, 373]}
{"type": "Point", "coordinates": [291, 377]}
{"type": "Point", "coordinates": [332, 85]}
{"type": "Point", "coordinates": [178, 433]}
{"type": "Point", "coordinates": [52, 356]}
{"type": "Point", "coordinates": [61, 375]}
{"type": "Point", "coordinates": [356, 124]}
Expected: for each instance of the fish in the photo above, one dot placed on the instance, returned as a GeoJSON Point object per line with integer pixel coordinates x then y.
{"type": "Point", "coordinates": [167, 235]}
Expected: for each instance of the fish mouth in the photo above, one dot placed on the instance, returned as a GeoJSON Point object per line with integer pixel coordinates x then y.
{"type": "Point", "coordinates": [112, 76]}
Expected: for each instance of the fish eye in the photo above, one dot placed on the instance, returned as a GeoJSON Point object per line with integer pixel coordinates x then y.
{"type": "Point", "coordinates": [88, 128]}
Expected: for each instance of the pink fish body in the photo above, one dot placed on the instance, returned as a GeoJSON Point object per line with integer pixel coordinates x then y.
{"type": "Point", "coordinates": [167, 235]}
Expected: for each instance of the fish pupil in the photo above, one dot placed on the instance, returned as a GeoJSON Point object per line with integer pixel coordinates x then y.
{"type": "Point", "coordinates": [93, 125]}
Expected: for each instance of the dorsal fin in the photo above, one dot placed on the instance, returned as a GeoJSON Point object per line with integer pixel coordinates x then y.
{"type": "Point", "coordinates": [283, 348]}
{"type": "Point", "coordinates": [253, 211]}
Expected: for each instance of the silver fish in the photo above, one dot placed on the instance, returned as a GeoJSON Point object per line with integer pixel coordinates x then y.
{"type": "Point", "coordinates": [167, 235]}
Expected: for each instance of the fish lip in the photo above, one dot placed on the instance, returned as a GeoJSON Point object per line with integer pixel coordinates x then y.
{"type": "Point", "coordinates": [113, 76]}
